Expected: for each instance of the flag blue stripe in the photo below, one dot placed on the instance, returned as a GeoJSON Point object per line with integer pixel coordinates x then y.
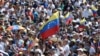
{"type": "Point", "coordinates": [50, 24]}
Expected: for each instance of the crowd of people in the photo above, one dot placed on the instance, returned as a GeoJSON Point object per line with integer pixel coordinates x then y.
{"type": "Point", "coordinates": [79, 37]}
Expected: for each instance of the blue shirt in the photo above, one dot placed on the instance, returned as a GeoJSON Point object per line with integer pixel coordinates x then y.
{"type": "Point", "coordinates": [35, 15]}
{"type": "Point", "coordinates": [45, 4]}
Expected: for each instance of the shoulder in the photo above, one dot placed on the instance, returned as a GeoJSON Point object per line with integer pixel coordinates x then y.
{"type": "Point", "coordinates": [84, 55]}
{"type": "Point", "coordinates": [67, 47]}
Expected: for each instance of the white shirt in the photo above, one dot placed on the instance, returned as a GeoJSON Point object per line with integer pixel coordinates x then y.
{"type": "Point", "coordinates": [92, 51]}
{"type": "Point", "coordinates": [12, 9]}
{"type": "Point", "coordinates": [55, 54]}
{"type": "Point", "coordinates": [20, 42]}
{"type": "Point", "coordinates": [52, 6]}
{"type": "Point", "coordinates": [49, 12]}
{"type": "Point", "coordinates": [39, 9]}
{"type": "Point", "coordinates": [2, 10]}
{"type": "Point", "coordinates": [66, 49]}
{"type": "Point", "coordinates": [6, 17]}
{"type": "Point", "coordinates": [39, 50]}
{"type": "Point", "coordinates": [2, 46]}
{"type": "Point", "coordinates": [86, 13]}
{"type": "Point", "coordinates": [77, 4]}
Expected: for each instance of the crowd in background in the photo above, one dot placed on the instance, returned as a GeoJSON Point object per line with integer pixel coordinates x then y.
{"type": "Point", "coordinates": [80, 37]}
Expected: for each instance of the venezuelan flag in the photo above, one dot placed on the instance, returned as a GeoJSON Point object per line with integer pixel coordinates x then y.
{"type": "Point", "coordinates": [50, 27]}
{"type": "Point", "coordinates": [31, 44]}
{"type": "Point", "coordinates": [94, 10]}
{"type": "Point", "coordinates": [68, 18]}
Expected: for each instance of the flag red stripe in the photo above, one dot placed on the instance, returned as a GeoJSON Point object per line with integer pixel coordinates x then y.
{"type": "Point", "coordinates": [49, 32]}
{"type": "Point", "coordinates": [69, 20]}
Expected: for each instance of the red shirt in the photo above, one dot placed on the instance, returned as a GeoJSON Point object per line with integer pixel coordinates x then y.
{"type": "Point", "coordinates": [29, 13]}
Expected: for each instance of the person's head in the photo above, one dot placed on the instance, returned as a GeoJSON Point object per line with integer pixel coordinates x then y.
{"type": "Point", "coordinates": [60, 43]}
{"type": "Point", "coordinates": [65, 42]}
{"type": "Point", "coordinates": [81, 45]}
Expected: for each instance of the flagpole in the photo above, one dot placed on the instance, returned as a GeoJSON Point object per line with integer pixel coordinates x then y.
{"type": "Point", "coordinates": [60, 23]}
{"type": "Point", "coordinates": [59, 26]}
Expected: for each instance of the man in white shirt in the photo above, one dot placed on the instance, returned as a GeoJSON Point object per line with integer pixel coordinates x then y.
{"type": "Point", "coordinates": [51, 5]}
{"type": "Point", "coordinates": [78, 3]}
{"type": "Point", "coordinates": [92, 51]}
{"type": "Point", "coordinates": [66, 48]}
{"type": "Point", "coordinates": [87, 12]}
{"type": "Point", "coordinates": [2, 44]}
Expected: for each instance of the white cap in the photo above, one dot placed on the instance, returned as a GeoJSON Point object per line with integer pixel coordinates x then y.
{"type": "Point", "coordinates": [76, 26]}
{"type": "Point", "coordinates": [90, 23]}
{"type": "Point", "coordinates": [93, 32]}
{"type": "Point", "coordinates": [29, 8]}
{"type": "Point", "coordinates": [81, 33]}
{"type": "Point", "coordinates": [74, 21]}
{"type": "Point", "coordinates": [82, 49]}
{"type": "Point", "coordinates": [61, 16]}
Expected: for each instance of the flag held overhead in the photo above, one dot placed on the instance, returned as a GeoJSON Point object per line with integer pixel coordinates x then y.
{"type": "Point", "coordinates": [50, 27]}
{"type": "Point", "coordinates": [68, 18]}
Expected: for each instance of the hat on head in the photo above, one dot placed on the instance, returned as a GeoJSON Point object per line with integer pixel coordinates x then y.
{"type": "Point", "coordinates": [73, 40]}
{"type": "Point", "coordinates": [20, 52]}
{"type": "Point", "coordinates": [81, 33]}
{"type": "Point", "coordinates": [81, 49]}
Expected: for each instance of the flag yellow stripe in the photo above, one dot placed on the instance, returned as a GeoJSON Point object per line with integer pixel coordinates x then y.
{"type": "Point", "coordinates": [53, 17]}
{"type": "Point", "coordinates": [67, 15]}
{"type": "Point", "coordinates": [94, 8]}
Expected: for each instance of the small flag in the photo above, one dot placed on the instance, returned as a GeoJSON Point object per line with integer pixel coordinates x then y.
{"type": "Point", "coordinates": [68, 18]}
{"type": "Point", "coordinates": [94, 10]}
{"type": "Point", "coordinates": [31, 44]}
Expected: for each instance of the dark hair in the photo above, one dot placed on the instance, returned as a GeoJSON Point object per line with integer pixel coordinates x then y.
{"type": "Point", "coordinates": [81, 44]}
